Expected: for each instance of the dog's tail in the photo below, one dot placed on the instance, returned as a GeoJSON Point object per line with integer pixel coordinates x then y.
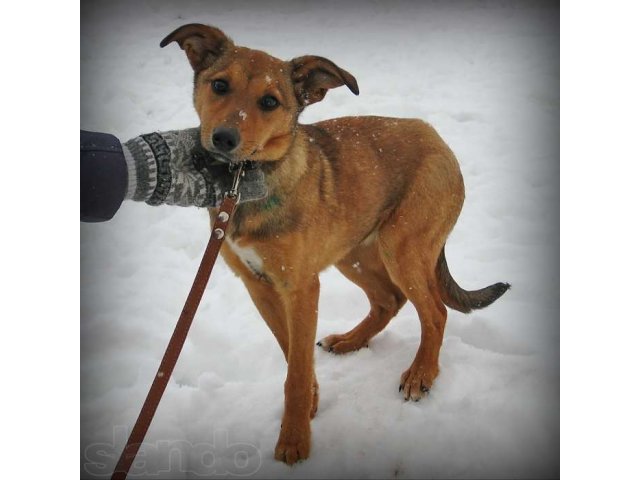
{"type": "Point", "coordinates": [463, 300]}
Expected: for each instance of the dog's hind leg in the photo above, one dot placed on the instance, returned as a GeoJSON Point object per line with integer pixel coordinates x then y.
{"type": "Point", "coordinates": [412, 266]}
{"type": "Point", "coordinates": [410, 242]}
{"type": "Point", "coordinates": [364, 267]}
{"type": "Point", "coordinates": [410, 251]}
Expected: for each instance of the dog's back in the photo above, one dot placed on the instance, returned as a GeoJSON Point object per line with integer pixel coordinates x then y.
{"type": "Point", "coordinates": [366, 166]}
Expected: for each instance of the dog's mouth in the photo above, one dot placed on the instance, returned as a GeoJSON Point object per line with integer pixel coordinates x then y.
{"type": "Point", "coordinates": [233, 162]}
{"type": "Point", "coordinates": [224, 158]}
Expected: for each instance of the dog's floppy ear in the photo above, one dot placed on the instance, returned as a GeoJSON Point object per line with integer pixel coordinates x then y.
{"type": "Point", "coordinates": [312, 76]}
{"type": "Point", "coordinates": [202, 44]}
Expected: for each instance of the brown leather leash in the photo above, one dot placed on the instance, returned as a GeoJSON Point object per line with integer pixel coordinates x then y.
{"type": "Point", "coordinates": [180, 332]}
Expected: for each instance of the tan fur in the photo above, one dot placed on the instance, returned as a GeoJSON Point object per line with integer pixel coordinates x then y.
{"type": "Point", "coordinates": [377, 197]}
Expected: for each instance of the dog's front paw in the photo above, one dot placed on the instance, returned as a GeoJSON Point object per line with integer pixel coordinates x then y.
{"type": "Point", "coordinates": [293, 445]}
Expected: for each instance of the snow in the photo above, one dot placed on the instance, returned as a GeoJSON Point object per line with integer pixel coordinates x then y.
{"type": "Point", "coordinates": [486, 76]}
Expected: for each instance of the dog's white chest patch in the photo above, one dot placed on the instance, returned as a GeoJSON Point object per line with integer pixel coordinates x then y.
{"type": "Point", "coordinates": [249, 257]}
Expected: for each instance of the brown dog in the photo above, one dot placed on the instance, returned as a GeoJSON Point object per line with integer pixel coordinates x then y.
{"type": "Point", "coordinates": [376, 197]}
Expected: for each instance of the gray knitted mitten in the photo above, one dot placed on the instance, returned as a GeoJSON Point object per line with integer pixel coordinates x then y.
{"type": "Point", "coordinates": [173, 168]}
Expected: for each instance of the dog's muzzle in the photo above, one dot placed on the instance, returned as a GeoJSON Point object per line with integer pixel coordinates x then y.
{"type": "Point", "coordinates": [225, 140]}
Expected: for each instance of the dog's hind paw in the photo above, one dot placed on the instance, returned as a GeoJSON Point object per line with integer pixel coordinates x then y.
{"type": "Point", "coordinates": [416, 382]}
{"type": "Point", "coordinates": [344, 343]}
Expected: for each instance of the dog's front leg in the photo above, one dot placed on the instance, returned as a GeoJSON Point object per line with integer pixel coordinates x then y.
{"type": "Point", "coordinates": [301, 304]}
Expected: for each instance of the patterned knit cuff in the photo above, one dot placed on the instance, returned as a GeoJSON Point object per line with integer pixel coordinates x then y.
{"type": "Point", "coordinates": [142, 168]}
{"type": "Point", "coordinates": [162, 155]}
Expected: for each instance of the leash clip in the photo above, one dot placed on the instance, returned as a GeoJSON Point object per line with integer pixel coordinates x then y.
{"type": "Point", "coordinates": [235, 186]}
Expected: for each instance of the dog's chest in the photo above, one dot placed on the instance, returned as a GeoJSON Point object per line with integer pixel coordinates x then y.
{"type": "Point", "coordinates": [249, 256]}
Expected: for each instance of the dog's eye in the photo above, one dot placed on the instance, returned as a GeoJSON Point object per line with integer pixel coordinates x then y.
{"type": "Point", "coordinates": [220, 86]}
{"type": "Point", "coordinates": [268, 102]}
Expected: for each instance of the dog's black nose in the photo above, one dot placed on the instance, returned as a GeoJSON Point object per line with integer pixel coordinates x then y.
{"type": "Point", "coordinates": [225, 139]}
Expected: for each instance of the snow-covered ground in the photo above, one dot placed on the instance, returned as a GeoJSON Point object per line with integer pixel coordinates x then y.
{"type": "Point", "coordinates": [486, 76]}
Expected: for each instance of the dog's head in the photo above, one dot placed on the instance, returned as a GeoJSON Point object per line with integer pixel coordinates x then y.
{"type": "Point", "coordinates": [248, 101]}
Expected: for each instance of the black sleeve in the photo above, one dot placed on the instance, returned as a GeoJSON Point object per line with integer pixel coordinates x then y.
{"type": "Point", "coordinates": [103, 176]}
